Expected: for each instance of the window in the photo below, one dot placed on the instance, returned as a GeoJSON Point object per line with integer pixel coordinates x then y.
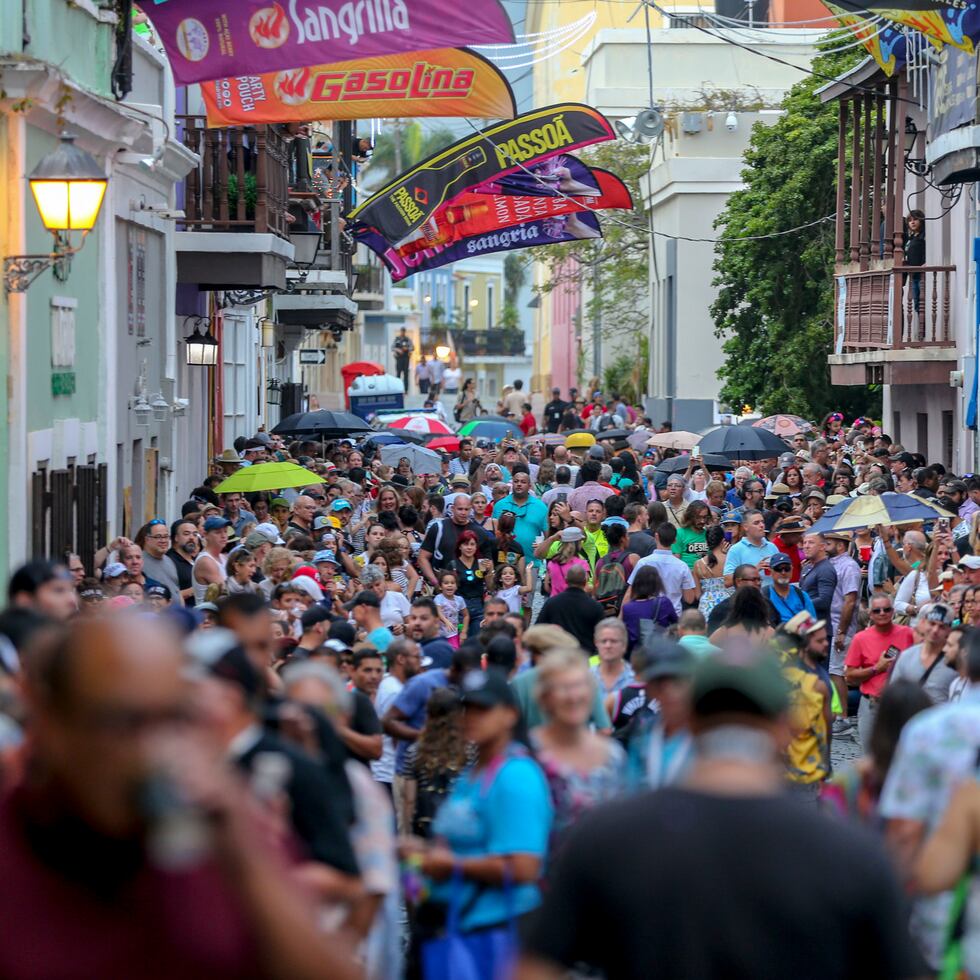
{"type": "Point", "coordinates": [490, 307]}
{"type": "Point", "coordinates": [681, 17]}
{"type": "Point", "coordinates": [922, 433]}
{"type": "Point", "coordinates": [236, 388]}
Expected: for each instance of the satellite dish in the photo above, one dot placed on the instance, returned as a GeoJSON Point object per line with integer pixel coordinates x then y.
{"type": "Point", "coordinates": [645, 127]}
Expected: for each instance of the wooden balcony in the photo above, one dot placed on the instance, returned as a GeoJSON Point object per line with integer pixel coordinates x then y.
{"type": "Point", "coordinates": [236, 203]}
{"type": "Point", "coordinates": [893, 326]}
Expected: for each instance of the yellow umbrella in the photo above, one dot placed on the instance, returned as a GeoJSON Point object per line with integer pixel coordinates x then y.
{"type": "Point", "coordinates": [580, 440]}
{"type": "Point", "coordinates": [268, 476]}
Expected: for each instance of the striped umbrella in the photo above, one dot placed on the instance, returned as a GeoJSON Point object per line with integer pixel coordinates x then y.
{"type": "Point", "coordinates": [870, 511]}
{"type": "Point", "coordinates": [547, 438]}
{"type": "Point", "coordinates": [421, 423]}
{"type": "Point", "coordinates": [490, 428]}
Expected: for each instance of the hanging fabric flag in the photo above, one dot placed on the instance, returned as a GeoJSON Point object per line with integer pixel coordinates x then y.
{"type": "Point", "coordinates": [548, 231]}
{"type": "Point", "coordinates": [474, 213]}
{"type": "Point", "coordinates": [207, 39]}
{"type": "Point", "coordinates": [443, 82]}
{"type": "Point", "coordinates": [405, 204]}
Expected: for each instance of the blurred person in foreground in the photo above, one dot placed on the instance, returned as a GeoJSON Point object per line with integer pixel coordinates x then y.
{"type": "Point", "coordinates": [727, 848]}
{"type": "Point", "coordinates": [130, 830]}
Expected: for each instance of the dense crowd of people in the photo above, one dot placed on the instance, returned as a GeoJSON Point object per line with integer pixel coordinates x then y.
{"type": "Point", "coordinates": [567, 705]}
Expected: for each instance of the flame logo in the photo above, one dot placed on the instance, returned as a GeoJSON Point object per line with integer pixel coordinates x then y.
{"type": "Point", "coordinates": [292, 84]}
{"type": "Point", "coordinates": [269, 27]}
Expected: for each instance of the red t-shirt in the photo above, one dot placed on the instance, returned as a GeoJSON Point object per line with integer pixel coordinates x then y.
{"type": "Point", "coordinates": [794, 553]}
{"type": "Point", "coordinates": [147, 923]}
{"type": "Point", "coordinates": [867, 648]}
{"type": "Point", "coordinates": [528, 425]}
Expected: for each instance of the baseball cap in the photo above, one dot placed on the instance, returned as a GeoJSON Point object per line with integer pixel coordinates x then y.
{"type": "Point", "coordinates": [338, 646]}
{"type": "Point", "coordinates": [308, 570]}
{"type": "Point", "coordinates": [802, 624]}
{"type": "Point", "coordinates": [95, 592]}
{"type": "Point", "coordinates": [731, 518]}
{"type": "Point", "coordinates": [739, 680]}
{"type": "Point", "coordinates": [621, 521]}
{"type": "Point", "coordinates": [572, 534]}
{"type": "Point", "coordinates": [780, 561]}
{"type": "Point", "coordinates": [326, 555]}
{"type": "Point", "coordinates": [270, 531]}
{"type": "Point", "coordinates": [341, 503]}
{"type": "Point", "coordinates": [487, 689]}
{"type": "Point", "coordinates": [216, 523]}
{"type": "Point", "coordinates": [665, 658]}
{"type": "Point", "coordinates": [114, 570]}
{"type": "Point", "coordinates": [969, 561]}
{"type": "Point", "coordinates": [363, 598]}
{"type": "Point", "coordinates": [596, 452]}
{"type": "Point", "coordinates": [907, 459]}
{"type": "Point", "coordinates": [279, 502]}
{"type": "Point", "coordinates": [314, 615]}
{"type": "Point", "coordinates": [256, 539]}
{"type": "Point", "coordinates": [262, 437]}
{"type": "Point", "coordinates": [556, 391]}
{"type": "Point", "coordinates": [158, 591]}
{"type": "Point", "coordinates": [941, 613]}
{"type": "Point", "coordinates": [341, 630]}
{"type": "Point", "coordinates": [217, 652]}
{"type": "Point", "coordinates": [321, 523]}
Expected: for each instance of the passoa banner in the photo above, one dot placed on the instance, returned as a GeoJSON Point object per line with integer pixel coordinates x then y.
{"type": "Point", "coordinates": [549, 231]}
{"type": "Point", "coordinates": [558, 175]}
{"type": "Point", "coordinates": [207, 39]}
{"type": "Point", "coordinates": [444, 82]}
{"type": "Point", "coordinates": [405, 204]}
{"type": "Point", "coordinates": [473, 214]}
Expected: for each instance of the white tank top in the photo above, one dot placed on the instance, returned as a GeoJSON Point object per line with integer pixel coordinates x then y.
{"type": "Point", "coordinates": [201, 587]}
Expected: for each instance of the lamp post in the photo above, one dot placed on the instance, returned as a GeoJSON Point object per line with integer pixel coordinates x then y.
{"type": "Point", "coordinates": [202, 348]}
{"type": "Point", "coordinates": [68, 187]}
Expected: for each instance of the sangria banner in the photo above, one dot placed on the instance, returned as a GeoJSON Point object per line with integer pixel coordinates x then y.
{"type": "Point", "coordinates": [548, 231]}
{"type": "Point", "coordinates": [443, 82]}
{"type": "Point", "coordinates": [208, 39]}
{"type": "Point", "coordinates": [404, 205]}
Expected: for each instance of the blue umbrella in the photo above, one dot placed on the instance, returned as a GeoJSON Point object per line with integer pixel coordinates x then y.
{"type": "Point", "coordinates": [492, 429]}
{"type": "Point", "coordinates": [870, 511]}
{"type": "Point", "coordinates": [386, 438]}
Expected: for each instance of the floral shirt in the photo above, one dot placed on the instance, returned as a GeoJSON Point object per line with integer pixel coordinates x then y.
{"type": "Point", "coordinates": [573, 792]}
{"type": "Point", "coordinates": [937, 750]}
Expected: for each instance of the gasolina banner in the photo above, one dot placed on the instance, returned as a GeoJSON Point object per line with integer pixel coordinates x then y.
{"type": "Point", "coordinates": [405, 204]}
{"type": "Point", "coordinates": [207, 39]}
{"type": "Point", "coordinates": [472, 213]}
{"type": "Point", "coordinates": [548, 231]}
{"type": "Point", "coordinates": [443, 82]}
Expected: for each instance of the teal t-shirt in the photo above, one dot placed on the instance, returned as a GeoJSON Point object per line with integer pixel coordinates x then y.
{"type": "Point", "coordinates": [504, 808]}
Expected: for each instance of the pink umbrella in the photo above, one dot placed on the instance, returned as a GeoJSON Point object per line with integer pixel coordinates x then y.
{"type": "Point", "coordinates": [421, 423]}
{"type": "Point", "coordinates": [784, 426]}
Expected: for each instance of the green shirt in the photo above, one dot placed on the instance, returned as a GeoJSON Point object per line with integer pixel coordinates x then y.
{"type": "Point", "coordinates": [690, 545]}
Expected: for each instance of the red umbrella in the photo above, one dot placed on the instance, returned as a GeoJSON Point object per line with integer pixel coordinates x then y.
{"type": "Point", "coordinates": [421, 423]}
{"type": "Point", "coordinates": [449, 443]}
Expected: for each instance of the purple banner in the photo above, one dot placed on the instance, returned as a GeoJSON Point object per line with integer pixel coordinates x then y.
{"type": "Point", "coordinates": [550, 231]}
{"type": "Point", "coordinates": [563, 174]}
{"type": "Point", "coordinates": [207, 39]}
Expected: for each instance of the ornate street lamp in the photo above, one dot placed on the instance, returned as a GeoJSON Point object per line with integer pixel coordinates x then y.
{"type": "Point", "coordinates": [202, 348]}
{"type": "Point", "coordinates": [306, 244]}
{"type": "Point", "coordinates": [68, 187]}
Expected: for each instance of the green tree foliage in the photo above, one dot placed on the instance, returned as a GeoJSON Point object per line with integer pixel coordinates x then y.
{"type": "Point", "coordinates": [628, 374]}
{"type": "Point", "coordinates": [407, 143]}
{"type": "Point", "coordinates": [613, 272]}
{"type": "Point", "coordinates": [775, 303]}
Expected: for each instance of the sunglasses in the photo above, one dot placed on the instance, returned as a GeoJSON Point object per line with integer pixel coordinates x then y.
{"type": "Point", "coordinates": [881, 609]}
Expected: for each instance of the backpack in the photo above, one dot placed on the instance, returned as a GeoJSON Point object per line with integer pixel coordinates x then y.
{"type": "Point", "coordinates": [611, 584]}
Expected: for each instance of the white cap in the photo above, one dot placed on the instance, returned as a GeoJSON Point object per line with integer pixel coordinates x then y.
{"type": "Point", "coordinates": [270, 531]}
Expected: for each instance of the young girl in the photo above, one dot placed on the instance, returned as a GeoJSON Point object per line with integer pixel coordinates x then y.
{"type": "Point", "coordinates": [453, 615]}
{"type": "Point", "coordinates": [509, 587]}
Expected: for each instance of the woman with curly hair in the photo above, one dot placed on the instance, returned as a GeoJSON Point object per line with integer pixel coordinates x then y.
{"type": "Point", "coordinates": [435, 760]}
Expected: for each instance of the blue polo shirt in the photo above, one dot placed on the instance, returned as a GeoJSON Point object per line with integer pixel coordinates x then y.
{"type": "Point", "coordinates": [532, 519]}
{"type": "Point", "coordinates": [746, 553]}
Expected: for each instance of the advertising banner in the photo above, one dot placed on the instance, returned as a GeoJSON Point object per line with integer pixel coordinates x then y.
{"type": "Point", "coordinates": [207, 39]}
{"type": "Point", "coordinates": [548, 231]}
{"type": "Point", "coordinates": [473, 214]}
{"type": "Point", "coordinates": [405, 204]}
{"type": "Point", "coordinates": [443, 82]}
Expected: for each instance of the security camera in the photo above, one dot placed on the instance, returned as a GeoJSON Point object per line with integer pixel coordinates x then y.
{"type": "Point", "coordinates": [731, 122]}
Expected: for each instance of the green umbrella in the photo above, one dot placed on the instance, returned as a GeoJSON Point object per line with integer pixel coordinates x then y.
{"type": "Point", "coordinates": [268, 476]}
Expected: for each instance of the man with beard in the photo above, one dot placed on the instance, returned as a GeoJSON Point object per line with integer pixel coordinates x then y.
{"type": "Point", "coordinates": [806, 645]}
{"type": "Point", "coordinates": [184, 545]}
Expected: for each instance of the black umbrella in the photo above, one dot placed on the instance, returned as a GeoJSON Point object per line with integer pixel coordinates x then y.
{"type": "Point", "coordinates": [678, 464]}
{"type": "Point", "coordinates": [323, 424]}
{"type": "Point", "coordinates": [621, 434]}
{"type": "Point", "coordinates": [742, 442]}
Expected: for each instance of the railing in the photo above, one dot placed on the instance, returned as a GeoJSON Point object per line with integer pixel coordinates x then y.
{"type": "Point", "coordinates": [894, 308]}
{"type": "Point", "coordinates": [492, 343]}
{"type": "Point", "coordinates": [370, 279]}
{"type": "Point", "coordinates": [241, 181]}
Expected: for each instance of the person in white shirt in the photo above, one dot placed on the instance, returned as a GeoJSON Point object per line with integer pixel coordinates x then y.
{"type": "Point", "coordinates": [678, 581]}
{"type": "Point", "coordinates": [405, 661]}
{"type": "Point", "coordinates": [913, 591]}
